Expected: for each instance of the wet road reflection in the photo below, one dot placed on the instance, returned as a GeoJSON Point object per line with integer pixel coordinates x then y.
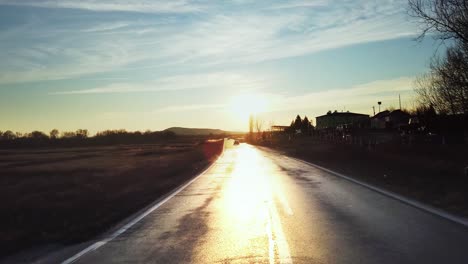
{"type": "Point", "coordinates": [249, 214]}
{"type": "Point", "coordinates": [257, 206]}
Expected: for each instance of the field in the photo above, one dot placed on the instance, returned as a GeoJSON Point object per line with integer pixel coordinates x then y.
{"type": "Point", "coordinates": [433, 174]}
{"type": "Point", "coordinates": [62, 196]}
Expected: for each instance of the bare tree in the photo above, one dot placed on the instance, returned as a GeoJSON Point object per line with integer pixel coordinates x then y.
{"type": "Point", "coordinates": [428, 93]}
{"type": "Point", "coordinates": [447, 18]}
{"type": "Point", "coordinates": [259, 125]}
{"type": "Point", "coordinates": [251, 125]}
{"type": "Point", "coordinates": [446, 86]}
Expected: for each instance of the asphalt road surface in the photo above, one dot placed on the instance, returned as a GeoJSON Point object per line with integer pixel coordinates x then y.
{"type": "Point", "coordinates": [257, 206]}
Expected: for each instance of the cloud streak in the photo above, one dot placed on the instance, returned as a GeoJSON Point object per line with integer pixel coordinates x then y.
{"type": "Point", "coordinates": [142, 6]}
{"type": "Point", "coordinates": [193, 107]}
{"type": "Point", "coordinates": [299, 4]}
{"type": "Point", "coordinates": [226, 35]}
{"type": "Point", "coordinates": [215, 80]}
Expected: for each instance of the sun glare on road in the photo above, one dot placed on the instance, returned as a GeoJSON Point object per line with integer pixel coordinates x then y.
{"type": "Point", "coordinates": [249, 187]}
{"type": "Point", "coordinates": [249, 207]}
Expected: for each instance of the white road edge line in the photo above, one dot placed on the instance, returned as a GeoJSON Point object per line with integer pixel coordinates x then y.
{"type": "Point", "coordinates": [284, 255]}
{"type": "Point", "coordinates": [421, 206]}
{"type": "Point", "coordinates": [122, 230]}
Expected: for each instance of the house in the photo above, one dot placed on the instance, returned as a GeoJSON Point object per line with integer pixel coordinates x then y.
{"type": "Point", "coordinates": [378, 120]}
{"type": "Point", "coordinates": [387, 119]}
{"type": "Point", "coordinates": [335, 119]}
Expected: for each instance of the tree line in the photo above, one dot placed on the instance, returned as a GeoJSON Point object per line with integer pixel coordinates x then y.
{"type": "Point", "coordinates": [300, 125]}
{"type": "Point", "coordinates": [80, 137]}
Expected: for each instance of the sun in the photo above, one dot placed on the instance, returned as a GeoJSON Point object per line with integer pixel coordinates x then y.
{"type": "Point", "coordinates": [245, 105]}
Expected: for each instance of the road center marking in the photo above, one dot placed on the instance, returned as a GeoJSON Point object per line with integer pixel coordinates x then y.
{"type": "Point", "coordinates": [271, 242]}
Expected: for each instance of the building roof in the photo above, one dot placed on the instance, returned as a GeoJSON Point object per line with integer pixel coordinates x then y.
{"type": "Point", "coordinates": [392, 113]}
{"type": "Point", "coordinates": [381, 114]}
{"type": "Point", "coordinates": [399, 112]}
{"type": "Point", "coordinates": [343, 114]}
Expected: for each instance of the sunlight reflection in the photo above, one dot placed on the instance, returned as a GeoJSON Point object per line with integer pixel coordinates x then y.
{"type": "Point", "coordinates": [249, 224]}
{"type": "Point", "coordinates": [249, 188]}
{"type": "Point", "coordinates": [249, 206]}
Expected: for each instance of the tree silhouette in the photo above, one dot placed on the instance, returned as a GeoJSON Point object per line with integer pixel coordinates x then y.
{"type": "Point", "coordinates": [445, 87]}
{"type": "Point", "coordinates": [82, 133]}
{"type": "Point", "coordinates": [448, 19]}
{"type": "Point", "coordinates": [259, 124]}
{"type": "Point", "coordinates": [68, 134]}
{"type": "Point", "coordinates": [38, 135]}
{"type": "Point", "coordinates": [298, 123]}
{"type": "Point", "coordinates": [54, 133]}
{"type": "Point", "coordinates": [305, 126]}
{"type": "Point", "coordinates": [9, 135]}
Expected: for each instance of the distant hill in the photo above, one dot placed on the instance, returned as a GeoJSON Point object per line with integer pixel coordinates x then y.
{"type": "Point", "coordinates": [198, 131]}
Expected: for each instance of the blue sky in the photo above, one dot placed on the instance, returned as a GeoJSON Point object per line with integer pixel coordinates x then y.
{"type": "Point", "coordinates": [154, 64]}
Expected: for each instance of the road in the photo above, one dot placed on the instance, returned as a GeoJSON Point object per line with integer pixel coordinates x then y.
{"type": "Point", "coordinates": [257, 206]}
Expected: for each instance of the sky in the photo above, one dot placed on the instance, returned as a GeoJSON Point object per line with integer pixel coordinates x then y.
{"type": "Point", "coordinates": [151, 64]}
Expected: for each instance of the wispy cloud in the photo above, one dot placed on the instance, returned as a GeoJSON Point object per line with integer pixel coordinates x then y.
{"type": "Point", "coordinates": [183, 108]}
{"type": "Point", "coordinates": [227, 34]}
{"type": "Point", "coordinates": [107, 27]}
{"type": "Point", "coordinates": [144, 6]}
{"type": "Point", "coordinates": [300, 4]}
{"type": "Point", "coordinates": [216, 80]}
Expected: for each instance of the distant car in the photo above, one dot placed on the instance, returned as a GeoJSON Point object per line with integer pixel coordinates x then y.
{"type": "Point", "coordinates": [236, 143]}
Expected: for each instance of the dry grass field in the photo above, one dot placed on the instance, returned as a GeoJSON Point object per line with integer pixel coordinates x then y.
{"type": "Point", "coordinates": [59, 196]}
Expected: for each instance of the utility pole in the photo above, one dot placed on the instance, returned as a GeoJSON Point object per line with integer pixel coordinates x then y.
{"type": "Point", "coordinates": [379, 105]}
{"type": "Point", "coordinates": [399, 100]}
{"type": "Point", "coordinates": [373, 108]}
